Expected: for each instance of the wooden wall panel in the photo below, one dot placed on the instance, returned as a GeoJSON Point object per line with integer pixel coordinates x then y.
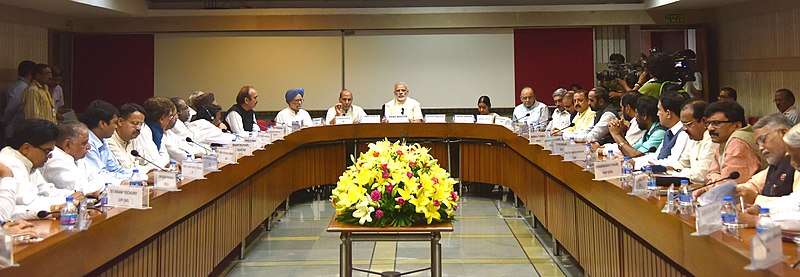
{"type": "Point", "coordinates": [179, 247]}
{"type": "Point", "coordinates": [561, 215]}
{"type": "Point", "coordinates": [638, 260]}
{"type": "Point", "coordinates": [599, 242]}
{"type": "Point", "coordinates": [232, 220]}
{"type": "Point", "coordinates": [260, 202]}
{"type": "Point", "coordinates": [142, 263]}
{"type": "Point", "coordinates": [537, 193]}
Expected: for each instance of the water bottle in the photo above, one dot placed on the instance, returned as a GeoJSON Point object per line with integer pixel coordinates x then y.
{"type": "Point", "coordinates": [610, 155]}
{"type": "Point", "coordinates": [764, 221]}
{"type": "Point", "coordinates": [69, 214]}
{"type": "Point", "coordinates": [173, 167]}
{"type": "Point", "coordinates": [136, 180]}
{"type": "Point", "coordinates": [685, 204]}
{"type": "Point", "coordinates": [83, 215]}
{"type": "Point", "coordinates": [104, 196]}
{"type": "Point", "coordinates": [651, 179]}
{"type": "Point", "coordinates": [669, 207]}
{"type": "Point", "coordinates": [213, 151]}
{"type": "Point", "coordinates": [729, 217]}
{"type": "Point", "coordinates": [571, 141]}
{"type": "Point", "coordinates": [627, 172]}
{"type": "Point", "coordinates": [189, 157]}
{"type": "Point", "coordinates": [589, 159]}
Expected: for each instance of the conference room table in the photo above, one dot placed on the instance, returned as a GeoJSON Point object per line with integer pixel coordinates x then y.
{"type": "Point", "coordinates": [191, 232]}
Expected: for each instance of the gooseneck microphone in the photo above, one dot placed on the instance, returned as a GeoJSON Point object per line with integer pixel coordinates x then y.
{"type": "Point", "coordinates": [136, 154]}
{"type": "Point", "coordinates": [45, 214]}
{"type": "Point", "coordinates": [733, 176]}
{"type": "Point", "coordinates": [190, 140]}
{"type": "Point", "coordinates": [518, 119]}
{"type": "Point", "coordinates": [562, 129]}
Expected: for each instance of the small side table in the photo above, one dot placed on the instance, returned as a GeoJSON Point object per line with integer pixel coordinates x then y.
{"type": "Point", "coordinates": [352, 232]}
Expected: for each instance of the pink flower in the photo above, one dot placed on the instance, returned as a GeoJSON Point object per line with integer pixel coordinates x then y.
{"type": "Point", "coordinates": [454, 195]}
{"type": "Point", "coordinates": [375, 154]}
{"type": "Point", "coordinates": [389, 188]}
{"type": "Point", "coordinates": [378, 214]}
{"type": "Point", "coordinates": [455, 207]}
{"type": "Point", "coordinates": [385, 166]}
{"type": "Point", "coordinates": [436, 203]}
{"type": "Point", "coordinates": [386, 174]}
{"type": "Point", "coordinates": [376, 195]}
{"type": "Point", "coordinates": [419, 186]}
{"type": "Point", "coordinates": [412, 163]}
{"type": "Point", "coordinates": [409, 174]}
{"type": "Point", "coordinates": [401, 201]}
{"type": "Point", "coordinates": [435, 181]}
{"type": "Point", "coordinates": [399, 152]}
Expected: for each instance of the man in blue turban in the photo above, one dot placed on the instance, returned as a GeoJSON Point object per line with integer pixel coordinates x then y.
{"type": "Point", "coordinates": [294, 113]}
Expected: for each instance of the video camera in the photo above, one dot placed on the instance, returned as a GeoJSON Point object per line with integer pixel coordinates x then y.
{"type": "Point", "coordinates": [617, 70]}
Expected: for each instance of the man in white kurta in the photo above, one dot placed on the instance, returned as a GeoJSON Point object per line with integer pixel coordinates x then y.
{"type": "Point", "coordinates": [403, 105]}
{"type": "Point", "coordinates": [294, 112]}
{"type": "Point", "coordinates": [530, 111]}
{"type": "Point", "coordinates": [344, 107]}
{"type": "Point", "coordinates": [66, 169]}
{"type": "Point", "coordinates": [241, 117]}
{"type": "Point", "coordinates": [175, 138]}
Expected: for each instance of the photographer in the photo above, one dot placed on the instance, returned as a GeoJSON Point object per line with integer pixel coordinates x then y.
{"type": "Point", "coordinates": [661, 68]}
{"type": "Point", "coordinates": [694, 88]}
{"type": "Point", "coordinates": [615, 86]}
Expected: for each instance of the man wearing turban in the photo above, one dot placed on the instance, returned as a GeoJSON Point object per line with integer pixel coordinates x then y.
{"type": "Point", "coordinates": [294, 113]}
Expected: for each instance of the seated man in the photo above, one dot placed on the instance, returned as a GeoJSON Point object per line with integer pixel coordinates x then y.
{"type": "Point", "coordinates": [530, 111]}
{"type": "Point", "coordinates": [28, 150]}
{"type": "Point", "coordinates": [66, 169]}
{"type": "Point", "coordinates": [699, 152]}
{"type": "Point", "coordinates": [779, 178]}
{"type": "Point", "coordinates": [102, 119]}
{"type": "Point", "coordinates": [737, 144]}
{"type": "Point", "coordinates": [628, 103]}
{"type": "Point", "coordinates": [584, 119]}
{"type": "Point", "coordinates": [124, 138]}
{"type": "Point", "coordinates": [403, 105]}
{"type": "Point", "coordinates": [605, 112]}
{"type": "Point", "coordinates": [561, 116]}
{"type": "Point", "coordinates": [241, 117]}
{"type": "Point", "coordinates": [175, 138]}
{"type": "Point", "coordinates": [646, 119]}
{"type": "Point", "coordinates": [784, 101]}
{"type": "Point", "coordinates": [159, 116]}
{"type": "Point", "coordinates": [344, 107]}
{"type": "Point", "coordinates": [204, 125]}
{"type": "Point", "coordinates": [671, 148]}
{"type": "Point", "coordinates": [294, 112]}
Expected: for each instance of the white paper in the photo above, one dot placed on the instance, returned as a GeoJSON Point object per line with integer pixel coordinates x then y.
{"type": "Point", "coordinates": [435, 118]}
{"type": "Point", "coordinates": [463, 118]}
{"type": "Point", "coordinates": [607, 169]}
{"type": "Point", "coordinates": [371, 119]}
{"type": "Point", "coordinates": [192, 170]}
{"type": "Point", "coordinates": [345, 119]}
{"type": "Point", "coordinates": [708, 219]}
{"type": "Point", "coordinates": [716, 194]}
{"type": "Point", "coordinates": [128, 196]}
{"type": "Point", "coordinates": [165, 180]}
{"type": "Point", "coordinates": [397, 119]}
{"type": "Point", "coordinates": [766, 249]}
{"type": "Point", "coordinates": [484, 119]}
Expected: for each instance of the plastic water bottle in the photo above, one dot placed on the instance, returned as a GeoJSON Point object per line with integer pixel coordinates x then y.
{"type": "Point", "coordinates": [685, 200]}
{"type": "Point", "coordinates": [104, 196]}
{"type": "Point", "coordinates": [589, 159]}
{"type": "Point", "coordinates": [729, 216]}
{"type": "Point", "coordinates": [189, 157]}
{"type": "Point", "coordinates": [764, 221]}
{"type": "Point", "coordinates": [571, 141]}
{"type": "Point", "coordinates": [173, 167]}
{"type": "Point", "coordinates": [69, 214]}
{"type": "Point", "coordinates": [627, 172]}
{"type": "Point", "coordinates": [610, 155]}
{"type": "Point", "coordinates": [136, 179]}
{"type": "Point", "coordinates": [651, 179]}
{"type": "Point", "coordinates": [669, 207]}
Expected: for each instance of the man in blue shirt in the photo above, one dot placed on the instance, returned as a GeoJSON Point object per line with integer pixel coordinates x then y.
{"type": "Point", "coordinates": [102, 119]}
{"type": "Point", "coordinates": [646, 119]}
{"type": "Point", "coordinates": [13, 98]}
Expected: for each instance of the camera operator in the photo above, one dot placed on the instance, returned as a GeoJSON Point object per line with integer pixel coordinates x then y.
{"type": "Point", "coordinates": [614, 87]}
{"type": "Point", "coordinates": [694, 88]}
{"type": "Point", "coordinates": [661, 68]}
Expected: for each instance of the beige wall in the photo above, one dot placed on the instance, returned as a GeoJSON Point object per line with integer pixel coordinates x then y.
{"type": "Point", "coordinates": [758, 50]}
{"type": "Point", "coordinates": [18, 43]}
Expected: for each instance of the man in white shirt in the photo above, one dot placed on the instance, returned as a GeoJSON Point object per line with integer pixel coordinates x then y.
{"type": "Point", "coordinates": [671, 148]}
{"type": "Point", "coordinates": [696, 158]}
{"type": "Point", "coordinates": [344, 107]}
{"type": "Point", "coordinates": [294, 112]}
{"type": "Point", "coordinates": [190, 100]}
{"type": "Point", "coordinates": [605, 112]}
{"type": "Point", "coordinates": [241, 117]}
{"type": "Point", "coordinates": [124, 138]}
{"type": "Point", "coordinates": [8, 187]}
{"type": "Point", "coordinates": [175, 137]}
{"type": "Point", "coordinates": [403, 105]}
{"type": "Point", "coordinates": [160, 115]}
{"type": "Point", "coordinates": [204, 125]}
{"type": "Point", "coordinates": [530, 111]}
{"type": "Point", "coordinates": [784, 101]}
{"type": "Point", "coordinates": [561, 116]}
{"type": "Point", "coordinates": [29, 149]}
{"type": "Point", "coordinates": [66, 169]}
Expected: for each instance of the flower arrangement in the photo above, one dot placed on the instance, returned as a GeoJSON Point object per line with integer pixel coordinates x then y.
{"type": "Point", "coordinates": [394, 184]}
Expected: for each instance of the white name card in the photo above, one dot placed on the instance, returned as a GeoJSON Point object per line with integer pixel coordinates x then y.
{"type": "Point", "coordinates": [536, 137]}
{"type": "Point", "coordinates": [463, 118]}
{"type": "Point", "coordinates": [607, 169]}
{"type": "Point", "coordinates": [397, 119]}
{"type": "Point", "coordinates": [192, 170]}
{"type": "Point", "coordinates": [253, 143]}
{"type": "Point", "coordinates": [242, 149]}
{"type": "Point", "coordinates": [639, 186]}
{"type": "Point", "coordinates": [227, 155]}
{"type": "Point", "coordinates": [766, 249]}
{"type": "Point", "coordinates": [129, 197]}
{"type": "Point", "coordinates": [371, 119]}
{"type": "Point", "coordinates": [210, 163]}
{"type": "Point", "coordinates": [548, 142]}
{"type": "Point", "coordinates": [165, 180]}
{"type": "Point", "coordinates": [574, 153]}
{"type": "Point", "coordinates": [708, 219]}
{"type": "Point", "coordinates": [345, 119]}
{"type": "Point", "coordinates": [504, 121]}
{"type": "Point", "coordinates": [317, 121]}
{"type": "Point", "coordinates": [435, 118]}
{"type": "Point", "coordinates": [264, 137]}
{"type": "Point", "coordinates": [276, 133]}
{"type": "Point", "coordinates": [7, 251]}
{"type": "Point", "coordinates": [484, 119]}
{"type": "Point", "coordinates": [296, 126]}
{"type": "Point", "coordinates": [558, 147]}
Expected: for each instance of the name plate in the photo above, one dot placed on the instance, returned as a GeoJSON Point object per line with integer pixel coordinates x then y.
{"type": "Point", "coordinates": [345, 119]}
{"type": "Point", "coordinates": [242, 149]}
{"type": "Point", "coordinates": [296, 126]}
{"type": "Point", "coordinates": [227, 155]}
{"type": "Point", "coordinates": [317, 121]}
{"type": "Point", "coordinates": [264, 137]}
{"type": "Point", "coordinates": [165, 180]}
{"type": "Point", "coordinates": [210, 163]}
{"type": "Point", "coordinates": [708, 219]}
{"type": "Point", "coordinates": [277, 133]}
{"type": "Point", "coordinates": [607, 169]}
{"type": "Point", "coordinates": [504, 121]}
{"type": "Point", "coordinates": [397, 119]}
{"type": "Point", "coordinates": [536, 137]}
{"type": "Point", "coordinates": [129, 197]}
{"type": "Point", "coordinates": [253, 142]}
{"type": "Point", "coordinates": [548, 142]}
{"type": "Point", "coordinates": [766, 249]}
{"type": "Point", "coordinates": [574, 153]}
{"type": "Point", "coordinates": [371, 119]}
{"type": "Point", "coordinates": [463, 118]}
{"type": "Point", "coordinates": [435, 118]}
{"type": "Point", "coordinates": [484, 119]}
{"type": "Point", "coordinates": [639, 185]}
{"type": "Point", "coordinates": [558, 147]}
{"type": "Point", "coordinates": [192, 170]}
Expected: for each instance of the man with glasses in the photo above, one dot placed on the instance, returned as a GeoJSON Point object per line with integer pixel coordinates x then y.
{"type": "Point", "coordinates": [737, 149]}
{"type": "Point", "coordinates": [131, 122]}
{"type": "Point", "coordinates": [696, 157]}
{"type": "Point", "coordinates": [28, 150]}
{"type": "Point", "coordinates": [175, 138]}
{"type": "Point", "coordinates": [561, 116]}
{"type": "Point", "coordinates": [674, 142]}
{"type": "Point", "coordinates": [160, 115]}
{"type": "Point", "coordinates": [403, 105]}
{"type": "Point", "coordinates": [66, 169]}
{"type": "Point", "coordinates": [241, 117]}
{"type": "Point", "coordinates": [530, 111]}
{"type": "Point", "coordinates": [294, 112]}
{"type": "Point", "coordinates": [779, 178]}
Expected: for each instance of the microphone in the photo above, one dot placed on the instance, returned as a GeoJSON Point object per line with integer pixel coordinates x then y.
{"type": "Point", "coordinates": [653, 150]}
{"type": "Point", "coordinates": [136, 154]}
{"type": "Point", "coordinates": [562, 129]}
{"type": "Point", "coordinates": [190, 140]}
{"type": "Point", "coordinates": [518, 119]}
{"type": "Point", "coordinates": [45, 214]}
{"type": "Point", "coordinates": [383, 110]}
{"type": "Point", "coordinates": [402, 111]}
{"type": "Point", "coordinates": [733, 176]}
{"type": "Point", "coordinates": [543, 121]}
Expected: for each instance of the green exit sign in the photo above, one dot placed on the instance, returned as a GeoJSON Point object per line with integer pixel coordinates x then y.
{"type": "Point", "coordinates": [675, 18]}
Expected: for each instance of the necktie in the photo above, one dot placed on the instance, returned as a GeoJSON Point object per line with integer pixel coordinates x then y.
{"type": "Point", "coordinates": [666, 148]}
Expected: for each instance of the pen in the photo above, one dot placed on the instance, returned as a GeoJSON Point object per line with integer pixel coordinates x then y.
{"type": "Point", "coordinates": [741, 201]}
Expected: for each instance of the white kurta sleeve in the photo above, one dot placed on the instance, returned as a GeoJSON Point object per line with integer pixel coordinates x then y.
{"type": "Point", "coordinates": [234, 122]}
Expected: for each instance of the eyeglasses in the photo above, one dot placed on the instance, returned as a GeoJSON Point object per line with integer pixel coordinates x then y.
{"type": "Point", "coordinates": [401, 90]}
{"type": "Point", "coordinates": [135, 123]}
{"type": "Point", "coordinates": [297, 101]}
{"type": "Point", "coordinates": [760, 140]}
{"type": "Point", "coordinates": [46, 151]}
{"type": "Point", "coordinates": [689, 124]}
{"type": "Point", "coordinates": [716, 123]}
